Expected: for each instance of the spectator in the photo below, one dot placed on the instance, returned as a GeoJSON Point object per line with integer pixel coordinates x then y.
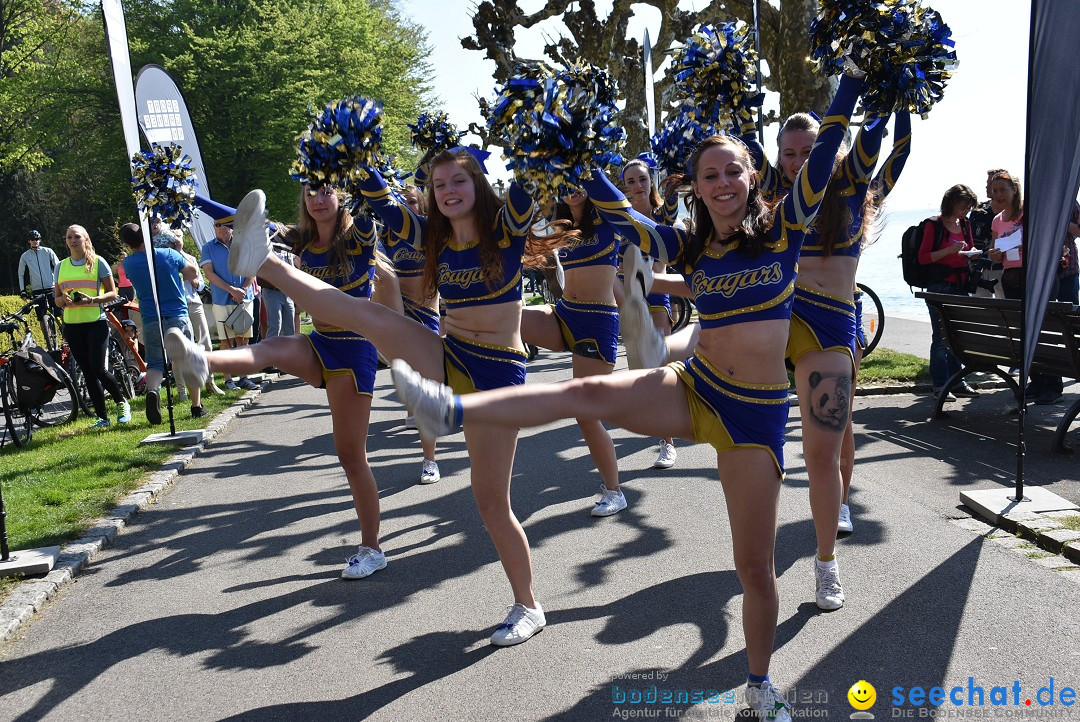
{"type": "Point", "coordinates": [193, 291]}
{"type": "Point", "coordinates": [169, 266]}
{"type": "Point", "coordinates": [41, 261]}
{"type": "Point", "coordinates": [227, 292]}
{"type": "Point", "coordinates": [1069, 272]}
{"type": "Point", "coordinates": [280, 309]}
{"type": "Point", "coordinates": [944, 242]}
{"type": "Point", "coordinates": [123, 286]}
{"type": "Point", "coordinates": [982, 219]}
{"type": "Point", "coordinates": [82, 284]}
{"type": "Point", "coordinates": [1045, 389]}
{"type": "Point", "coordinates": [1005, 191]}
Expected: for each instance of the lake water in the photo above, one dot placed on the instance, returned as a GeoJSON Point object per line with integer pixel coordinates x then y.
{"type": "Point", "coordinates": [880, 267]}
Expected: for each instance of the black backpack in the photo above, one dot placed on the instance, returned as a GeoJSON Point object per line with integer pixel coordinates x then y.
{"type": "Point", "coordinates": [916, 274]}
{"type": "Point", "coordinates": [36, 377]}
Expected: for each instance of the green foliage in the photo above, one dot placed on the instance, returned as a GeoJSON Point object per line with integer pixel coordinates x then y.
{"type": "Point", "coordinates": [248, 71]}
{"type": "Point", "coordinates": [886, 366]}
{"type": "Point", "coordinates": [11, 304]}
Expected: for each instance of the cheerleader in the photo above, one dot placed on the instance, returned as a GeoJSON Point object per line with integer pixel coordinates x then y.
{"type": "Point", "coordinates": [473, 245]}
{"type": "Point", "coordinates": [740, 262]}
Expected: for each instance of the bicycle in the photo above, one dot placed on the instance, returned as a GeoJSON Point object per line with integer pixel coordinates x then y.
{"type": "Point", "coordinates": [873, 318]}
{"type": "Point", "coordinates": [48, 318]}
{"type": "Point", "coordinates": [62, 407]}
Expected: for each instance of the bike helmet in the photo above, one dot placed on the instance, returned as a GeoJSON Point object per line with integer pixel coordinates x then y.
{"type": "Point", "coordinates": [35, 236]}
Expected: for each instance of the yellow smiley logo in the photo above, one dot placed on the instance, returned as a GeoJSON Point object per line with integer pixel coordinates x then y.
{"type": "Point", "coordinates": [862, 695]}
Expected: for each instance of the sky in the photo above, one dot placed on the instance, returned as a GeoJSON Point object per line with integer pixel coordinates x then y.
{"type": "Point", "coordinates": [978, 125]}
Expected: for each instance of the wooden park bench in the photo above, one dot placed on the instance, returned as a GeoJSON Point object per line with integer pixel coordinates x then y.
{"type": "Point", "coordinates": [984, 335]}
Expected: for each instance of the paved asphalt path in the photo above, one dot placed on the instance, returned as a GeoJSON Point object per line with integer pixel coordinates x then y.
{"type": "Point", "coordinates": [224, 601]}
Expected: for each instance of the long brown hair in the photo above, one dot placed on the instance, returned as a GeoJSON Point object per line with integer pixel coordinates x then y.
{"type": "Point", "coordinates": [438, 231]}
{"type": "Point", "coordinates": [833, 220]}
{"type": "Point", "coordinates": [654, 195]}
{"type": "Point", "coordinates": [308, 232]}
{"type": "Point", "coordinates": [752, 233]}
{"type": "Point", "coordinates": [547, 237]}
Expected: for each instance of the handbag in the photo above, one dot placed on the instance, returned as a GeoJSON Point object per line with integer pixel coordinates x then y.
{"type": "Point", "coordinates": [239, 320]}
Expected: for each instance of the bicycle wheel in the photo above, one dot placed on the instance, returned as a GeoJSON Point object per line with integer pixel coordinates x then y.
{"type": "Point", "coordinates": [49, 331]}
{"type": "Point", "coordinates": [79, 382]}
{"type": "Point", "coordinates": [116, 364]}
{"type": "Point", "coordinates": [64, 406]}
{"type": "Point", "coordinates": [18, 424]}
{"type": "Point", "coordinates": [681, 311]}
{"type": "Point", "coordinates": [873, 318]}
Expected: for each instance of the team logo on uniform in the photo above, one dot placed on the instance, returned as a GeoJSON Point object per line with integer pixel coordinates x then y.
{"type": "Point", "coordinates": [729, 284]}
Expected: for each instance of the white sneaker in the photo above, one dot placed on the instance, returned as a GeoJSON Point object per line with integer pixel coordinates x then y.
{"type": "Point", "coordinates": [431, 403]}
{"type": "Point", "coordinates": [767, 703]}
{"type": "Point", "coordinates": [644, 343]}
{"type": "Point", "coordinates": [667, 456]}
{"type": "Point", "coordinates": [250, 243]}
{"type": "Point", "coordinates": [845, 525]}
{"type": "Point", "coordinates": [188, 359]}
{"type": "Point", "coordinates": [429, 473]}
{"type": "Point", "coordinates": [520, 624]}
{"type": "Point", "coordinates": [830, 595]}
{"type": "Point", "coordinates": [410, 422]}
{"type": "Point", "coordinates": [611, 502]}
{"type": "Point", "coordinates": [364, 563]}
{"type": "Point", "coordinates": [637, 273]}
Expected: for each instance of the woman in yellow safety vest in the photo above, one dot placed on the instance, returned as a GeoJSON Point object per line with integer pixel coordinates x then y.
{"type": "Point", "coordinates": [83, 283]}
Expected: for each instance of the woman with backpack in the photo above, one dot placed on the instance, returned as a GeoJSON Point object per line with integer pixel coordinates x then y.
{"type": "Point", "coordinates": [946, 244]}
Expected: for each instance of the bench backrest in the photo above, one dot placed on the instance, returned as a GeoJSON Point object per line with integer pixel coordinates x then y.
{"type": "Point", "coordinates": [986, 332]}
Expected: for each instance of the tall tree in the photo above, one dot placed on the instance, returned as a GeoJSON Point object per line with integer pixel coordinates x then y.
{"type": "Point", "coordinates": [249, 72]}
{"type": "Point", "coordinates": [604, 42]}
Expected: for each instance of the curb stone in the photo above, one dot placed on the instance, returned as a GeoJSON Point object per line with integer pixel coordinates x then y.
{"type": "Point", "coordinates": [1027, 531]}
{"type": "Point", "coordinates": [28, 598]}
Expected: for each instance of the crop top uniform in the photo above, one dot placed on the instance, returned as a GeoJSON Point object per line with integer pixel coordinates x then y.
{"type": "Point", "coordinates": [408, 262]}
{"type": "Point", "coordinates": [590, 328]}
{"type": "Point", "coordinates": [730, 287]}
{"type": "Point", "coordinates": [342, 352]}
{"type": "Point", "coordinates": [470, 365]}
{"type": "Point", "coordinates": [665, 214]}
{"type": "Point", "coordinates": [822, 321]}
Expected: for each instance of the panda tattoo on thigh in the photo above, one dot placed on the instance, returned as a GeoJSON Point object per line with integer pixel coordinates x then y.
{"type": "Point", "coordinates": [830, 399]}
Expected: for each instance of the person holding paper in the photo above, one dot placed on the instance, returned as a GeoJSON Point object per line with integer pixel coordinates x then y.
{"type": "Point", "coordinates": [1007, 250]}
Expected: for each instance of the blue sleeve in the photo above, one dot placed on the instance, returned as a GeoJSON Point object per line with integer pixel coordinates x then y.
{"type": "Point", "coordinates": [104, 271]}
{"type": "Point", "coordinates": [860, 162]}
{"type": "Point", "coordinates": [516, 216]}
{"type": "Point", "coordinates": [894, 164]}
{"type": "Point", "coordinates": [420, 177]}
{"type": "Point", "coordinates": [801, 205]}
{"type": "Point", "coordinates": [768, 176]}
{"type": "Point", "coordinates": [396, 215]}
{"type": "Point", "coordinates": [669, 212]}
{"type": "Point", "coordinates": [661, 242]}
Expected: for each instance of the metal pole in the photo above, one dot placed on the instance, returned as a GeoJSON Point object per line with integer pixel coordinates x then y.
{"type": "Point", "coordinates": [757, 51]}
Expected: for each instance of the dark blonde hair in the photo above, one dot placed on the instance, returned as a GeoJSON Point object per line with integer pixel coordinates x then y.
{"type": "Point", "coordinates": [753, 230]}
{"type": "Point", "coordinates": [308, 232]}
{"type": "Point", "coordinates": [88, 250]}
{"type": "Point", "coordinates": [438, 231]}
{"type": "Point", "coordinates": [796, 121]}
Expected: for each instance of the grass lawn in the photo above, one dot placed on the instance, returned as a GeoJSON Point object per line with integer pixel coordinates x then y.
{"type": "Point", "coordinates": [69, 476]}
{"type": "Point", "coordinates": [885, 367]}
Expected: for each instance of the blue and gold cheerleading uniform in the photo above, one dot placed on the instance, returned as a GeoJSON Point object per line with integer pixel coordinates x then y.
{"type": "Point", "coordinates": [821, 322]}
{"type": "Point", "coordinates": [408, 263]}
{"type": "Point", "coordinates": [731, 288]}
{"type": "Point", "coordinates": [469, 365]}
{"type": "Point", "coordinates": [342, 352]}
{"type": "Point", "coordinates": [665, 214]}
{"type": "Point", "coordinates": [590, 329]}
{"type": "Point", "coordinates": [860, 334]}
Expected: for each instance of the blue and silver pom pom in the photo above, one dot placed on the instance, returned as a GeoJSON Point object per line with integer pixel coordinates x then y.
{"type": "Point", "coordinates": [394, 178]}
{"type": "Point", "coordinates": [434, 132]}
{"type": "Point", "coordinates": [716, 71]}
{"type": "Point", "coordinates": [556, 126]}
{"type": "Point", "coordinates": [347, 133]}
{"type": "Point", "coordinates": [164, 183]}
{"type": "Point", "coordinates": [904, 49]}
{"type": "Point", "coordinates": [674, 143]}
